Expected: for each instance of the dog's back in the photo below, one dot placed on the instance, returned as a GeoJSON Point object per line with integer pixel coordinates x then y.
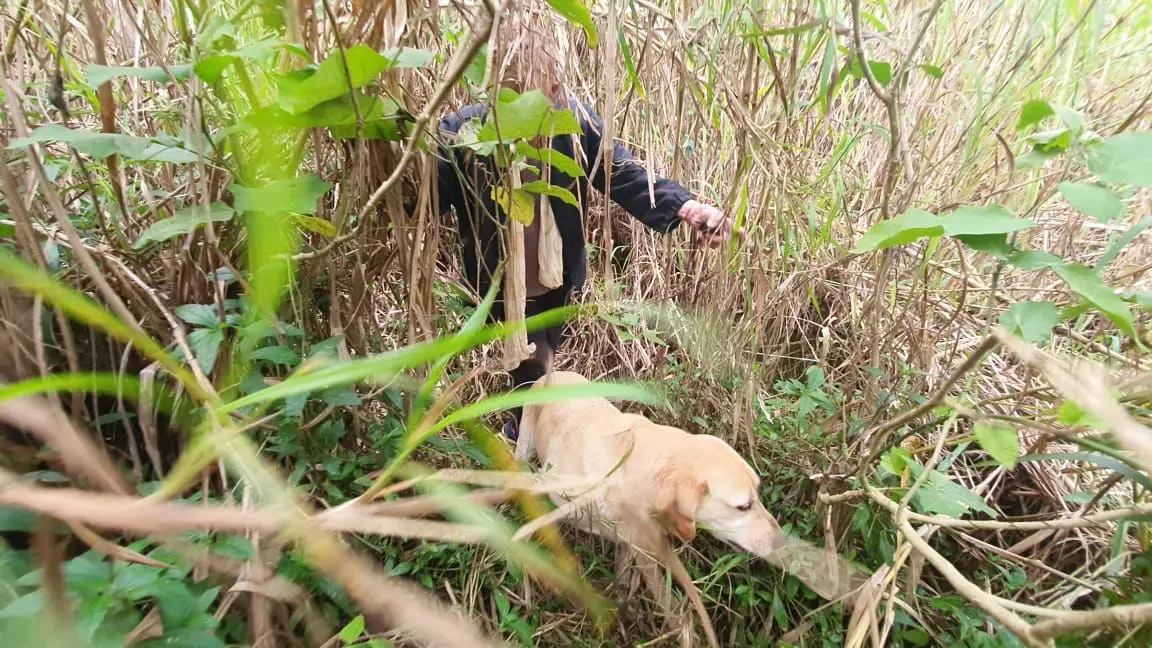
{"type": "Point", "coordinates": [573, 436]}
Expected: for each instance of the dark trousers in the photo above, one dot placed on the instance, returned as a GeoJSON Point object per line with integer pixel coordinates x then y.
{"type": "Point", "coordinates": [547, 341]}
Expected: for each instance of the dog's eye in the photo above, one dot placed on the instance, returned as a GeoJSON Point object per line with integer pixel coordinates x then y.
{"type": "Point", "coordinates": [746, 506]}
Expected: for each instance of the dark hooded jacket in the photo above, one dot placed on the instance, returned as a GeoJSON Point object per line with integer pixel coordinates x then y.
{"type": "Point", "coordinates": [467, 188]}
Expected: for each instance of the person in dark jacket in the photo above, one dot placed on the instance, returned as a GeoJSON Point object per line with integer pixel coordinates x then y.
{"type": "Point", "coordinates": [465, 181]}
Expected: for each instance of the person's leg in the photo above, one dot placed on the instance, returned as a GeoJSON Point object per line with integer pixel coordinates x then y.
{"type": "Point", "coordinates": [546, 342]}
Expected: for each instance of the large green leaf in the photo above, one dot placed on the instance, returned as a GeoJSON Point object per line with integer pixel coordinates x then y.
{"type": "Point", "coordinates": [1034, 112]}
{"type": "Point", "coordinates": [184, 221]}
{"type": "Point", "coordinates": [550, 156]}
{"type": "Point", "coordinates": [380, 117]}
{"type": "Point", "coordinates": [942, 496]}
{"type": "Point", "coordinates": [205, 344]}
{"type": "Point", "coordinates": [578, 14]}
{"type": "Point", "coordinates": [294, 195]}
{"type": "Point", "coordinates": [1087, 283]}
{"type": "Point", "coordinates": [1034, 259]}
{"type": "Point", "coordinates": [542, 187]}
{"type": "Point", "coordinates": [978, 220]}
{"type": "Point", "coordinates": [98, 75]}
{"type": "Point", "coordinates": [912, 225]}
{"type": "Point", "coordinates": [527, 116]}
{"type": "Point", "coordinates": [517, 203]}
{"type": "Point", "coordinates": [996, 245]}
{"type": "Point", "coordinates": [999, 440]}
{"type": "Point", "coordinates": [881, 70]}
{"type": "Point", "coordinates": [1124, 159]}
{"type": "Point", "coordinates": [1033, 320]}
{"type": "Point", "coordinates": [199, 314]}
{"type": "Point", "coordinates": [1095, 200]}
{"type": "Point", "coordinates": [103, 145]}
{"type": "Point", "coordinates": [302, 90]}
{"type": "Point", "coordinates": [212, 67]}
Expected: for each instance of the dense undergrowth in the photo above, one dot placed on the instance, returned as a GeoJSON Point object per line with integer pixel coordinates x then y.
{"type": "Point", "coordinates": [931, 343]}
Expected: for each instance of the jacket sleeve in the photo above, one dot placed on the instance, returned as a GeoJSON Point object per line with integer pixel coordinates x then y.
{"type": "Point", "coordinates": [447, 165]}
{"type": "Point", "coordinates": [657, 209]}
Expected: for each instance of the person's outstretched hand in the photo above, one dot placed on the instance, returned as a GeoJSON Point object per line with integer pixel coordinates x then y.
{"type": "Point", "coordinates": [711, 225]}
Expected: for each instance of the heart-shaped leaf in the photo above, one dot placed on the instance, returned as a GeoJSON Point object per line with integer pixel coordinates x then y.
{"type": "Point", "coordinates": [999, 440]}
{"type": "Point", "coordinates": [912, 225]}
{"type": "Point", "coordinates": [1095, 200]}
{"type": "Point", "coordinates": [1032, 320]}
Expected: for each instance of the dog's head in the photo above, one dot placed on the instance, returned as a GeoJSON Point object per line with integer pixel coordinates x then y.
{"type": "Point", "coordinates": [706, 483]}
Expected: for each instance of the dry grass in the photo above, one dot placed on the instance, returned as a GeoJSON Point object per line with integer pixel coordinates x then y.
{"type": "Point", "coordinates": [746, 122]}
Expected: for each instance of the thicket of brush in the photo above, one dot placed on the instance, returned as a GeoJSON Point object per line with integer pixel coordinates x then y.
{"type": "Point", "coordinates": [232, 358]}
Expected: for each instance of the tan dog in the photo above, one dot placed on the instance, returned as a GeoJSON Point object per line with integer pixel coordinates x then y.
{"type": "Point", "coordinates": [684, 480]}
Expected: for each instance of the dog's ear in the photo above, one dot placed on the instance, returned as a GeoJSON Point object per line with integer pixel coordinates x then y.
{"type": "Point", "coordinates": [679, 495]}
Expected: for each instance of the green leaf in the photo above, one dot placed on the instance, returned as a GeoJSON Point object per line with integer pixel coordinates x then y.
{"type": "Point", "coordinates": [341, 396]}
{"type": "Point", "coordinates": [975, 220]}
{"type": "Point", "coordinates": [353, 630]}
{"type": "Point", "coordinates": [28, 605]}
{"type": "Point", "coordinates": [408, 57]}
{"type": "Point", "coordinates": [1086, 282]}
{"type": "Point", "coordinates": [881, 71]}
{"type": "Point", "coordinates": [1034, 112]}
{"type": "Point", "coordinates": [519, 204]}
{"type": "Point", "coordinates": [199, 314]}
{"type": "Point", "coordinates": [183, 221]}
{"type": "Point", "coordinates": [295, 195]}
{"type": "Point", "coordinates": [578, 14]}
{"type": "Point", "coordinates": [381, 117]}
{"type": "Point", "coordinates": [477, 67]}
{"type": "Point", "coordinates": [317, 225]}
{"type": "Point", "coordinates": [211, 68]}
{"type": "Point", "coordinates": [277, 355]}
{"type": "Point", "coordinates": [942, 496]}
{"type": "Point", "coordinates": [527, 116]}
{"type": "Point", "coordinates": [104, 145]}
{"type": "Point", "coordinates": [301, 91]}
{"type": "Point", "coordinates": [932, 71]}
{"type": "Point", "coordinates": [1123, 241]}
{"type": "Point", "coordinates": [134, 582]}
{"type": "Point", "coordinates": [14, 519]}
{"type": "Point", "coordinates": [1069, 413]}
{"type": "Point", "coordinates": [994, 244]}
{"type": "Point", "coordinates": [542, 187]}
{"type": "Point", "coordinates": [185, 638]}
{"type": "Point", "coordinates": [88, 570]}
{"type": "Point", "coordinates": [205, 344]}
{"type": "Point", "coordinates": [895, 460]}
{"type": "Point", "coordinates": [1033, 320]}
{"type": "Point", "coordinates": [98, 75]}
{"type": "Point", "coordinates": [1124, 159]}
{"type": "Point", "coordinates": [1070, 118]}
{"type": "Point", "coordinates": [910, 226]}
{"type": "Point", "coordinates": [1094, 200]}
{"type": "Point", "coordinates": [1051, 142]}
{"type": "Point", "coordinates": [999, 440]}
{"type": "Point", "coordinates": [1034, 260]}
{"type": "Point", "coordinates": [550, 156]}
{"type": "Point", "coordinates": [91, 614]}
